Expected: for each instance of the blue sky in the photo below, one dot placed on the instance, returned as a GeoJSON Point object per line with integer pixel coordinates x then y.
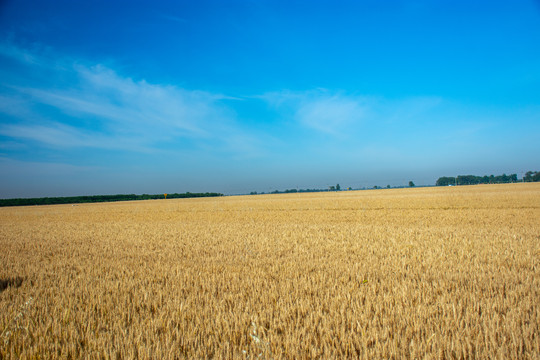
{"type": "Point", "coordinates": [107, 97]}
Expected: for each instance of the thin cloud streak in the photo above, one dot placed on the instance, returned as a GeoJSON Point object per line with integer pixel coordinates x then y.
{"type": "Point", "coordinates": [63, 136]}
{"type": "Point", "coordinates": [320, 110]}
{"type": "Point", "coordinates": [19, 54]}
{"type": "Point", "coordinates": [121, 108]}
{"type": "Point", "coordinates": [331, 114]}
{"type": "Point", "coordinates": [338, 114]}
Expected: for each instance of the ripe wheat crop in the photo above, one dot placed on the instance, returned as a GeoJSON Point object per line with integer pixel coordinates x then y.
{"type": "Point", "coordinates": [431, 273]}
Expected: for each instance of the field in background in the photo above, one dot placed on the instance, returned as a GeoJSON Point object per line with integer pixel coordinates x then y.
{"type": "Point", "coordinates": [402, 273]}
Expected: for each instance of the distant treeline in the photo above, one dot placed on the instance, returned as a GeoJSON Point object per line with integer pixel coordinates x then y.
{"type": "Point", "coordinates": [288, 191]}
{"type": "Point", "coordinates": [491, 179]}
{"type": "Point", "coordinates": [98, 198]}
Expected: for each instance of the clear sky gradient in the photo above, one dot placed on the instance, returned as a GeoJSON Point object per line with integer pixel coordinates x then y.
{"type": "Point", "coordinates": [106, 97]}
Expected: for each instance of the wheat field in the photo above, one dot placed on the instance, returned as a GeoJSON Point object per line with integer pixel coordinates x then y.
{"type": "Point", "coordinates": [435, 273]}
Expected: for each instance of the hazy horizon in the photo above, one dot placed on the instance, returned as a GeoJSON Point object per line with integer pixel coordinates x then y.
{"type": "Point", "coordinates": [136, 97]}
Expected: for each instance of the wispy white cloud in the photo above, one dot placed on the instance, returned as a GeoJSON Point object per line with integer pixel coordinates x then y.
{"type": "Point", "coordinates": [56, 134]}
{"type": "Point", "coordinates": [15, 106]}
{"type": "Point", "coordinates": [8, 49]}
{"type": "Point", "coordinates": [331, 114]}
{"type": "Point", "coordinates": [64, 136]}
{"type": "Point", "coordinates": [338, 113]}
{"type": "Point", "coordinates": [321, 110]}
{"type": "Point", "coordinates": [99, 105]}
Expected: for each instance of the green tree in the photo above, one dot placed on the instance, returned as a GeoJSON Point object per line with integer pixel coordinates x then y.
{"type": "Point", "coordinates": [411, 184]}
{"type": "Point", "coordinates": [338, 187]}
{"type": "Point", "coordinates": [532, 176]}
{"type": "Point", "coordinates": [445, 181]}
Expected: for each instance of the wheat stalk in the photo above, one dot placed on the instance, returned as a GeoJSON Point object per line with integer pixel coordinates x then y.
{"type": "Point", "coordinates": [13, 324]}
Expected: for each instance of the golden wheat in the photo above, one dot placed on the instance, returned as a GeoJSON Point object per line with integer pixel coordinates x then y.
{"type": "Point", "coordinates": [411, 273]}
